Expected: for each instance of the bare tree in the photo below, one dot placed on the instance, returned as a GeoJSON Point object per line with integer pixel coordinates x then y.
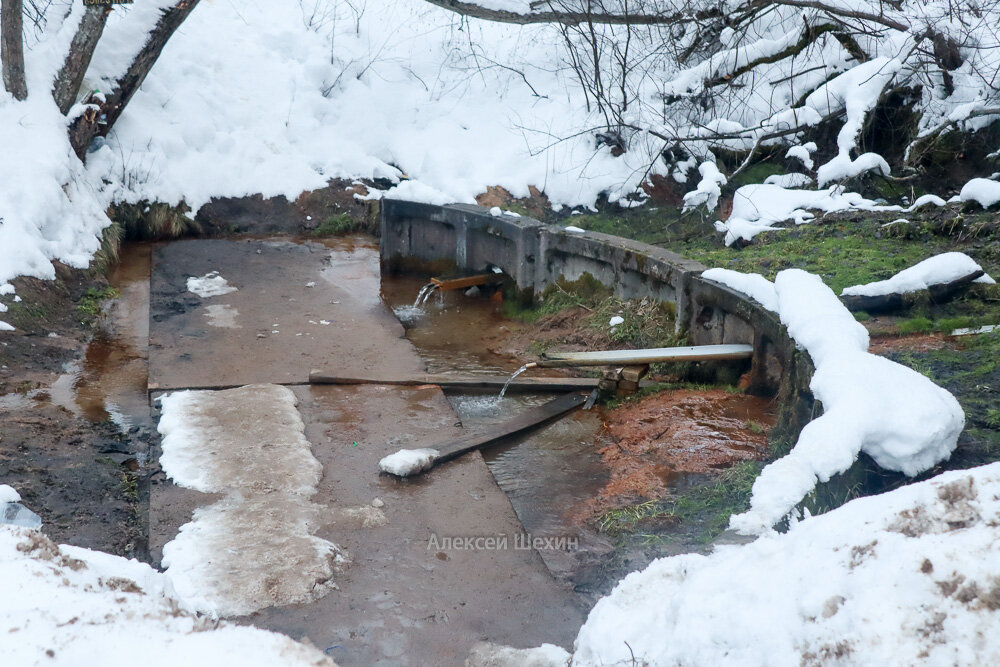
{"type": "Point", "coordinates": [104, 110]}
{"type": "Point", "coordinates": [67, 83]}
{"type": "Point", "coordinates": [12, 42]}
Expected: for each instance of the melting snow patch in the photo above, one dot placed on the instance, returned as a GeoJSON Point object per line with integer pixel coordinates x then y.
{"type": "Point", "coordinates": [574, 229]}
{"type": "Point", "coordinates": [408, 462]}
{"type": "Point", "coordinates": [981, 190]}
{"type": "Point", "coordinates": [616, 320]}
{"type": "Point", "coordinates": [209, 285]}
{"type": "Point", "coordinates": [757, 208]}
{"type": "Point", "coordinates": [936, 270]}
{"type": "Point", "coordinates": [254, 548]}
{"type": "Point", "coordinates": [908, 577]}
{"type": "Point", "coordinates": [871, 404]}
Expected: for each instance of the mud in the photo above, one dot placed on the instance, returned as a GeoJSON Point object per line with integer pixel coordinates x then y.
{"type": "Point", "coordinates": [73, 416]}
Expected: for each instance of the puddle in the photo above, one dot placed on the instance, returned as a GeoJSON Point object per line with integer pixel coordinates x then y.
{"type": "Point", "coordinates": [109, 383]}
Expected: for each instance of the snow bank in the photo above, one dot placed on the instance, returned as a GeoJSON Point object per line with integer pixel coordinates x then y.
{"type": "Point", "coordinates": [255, 547]}
{"type": "Point", "coordinates": [408, 462]}
{"type": "Point", "coordinates": [936, 270]}
{"type": "Point", "coordinates": [904, 578]}
{"type": "Point", "coordinates": [62, 605]}
{"type": "Point", "coordinates": [384, 90]}
{"type": "Point", "coordinates": [209, 285]}
{"type": "Point", "coordinates": [757, 208]}
{"type": "Point", "coordinates": [897, 416]}
{"type": "Point", "coordinates": [981, 190]}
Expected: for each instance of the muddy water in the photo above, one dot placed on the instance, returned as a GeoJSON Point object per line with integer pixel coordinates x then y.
{"type": "Point", "coordinates": [109, 383]}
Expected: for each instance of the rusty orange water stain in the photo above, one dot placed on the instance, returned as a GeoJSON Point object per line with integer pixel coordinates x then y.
{"type": "Point", "coordinates": [650, 444]}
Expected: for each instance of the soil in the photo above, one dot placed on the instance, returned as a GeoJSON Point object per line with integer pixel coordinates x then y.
{"type": "Point", "coordinates": [76, 472]}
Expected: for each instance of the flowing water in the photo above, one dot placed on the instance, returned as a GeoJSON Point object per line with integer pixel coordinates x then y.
{"type": "Point", "coordinates": [514, 377]}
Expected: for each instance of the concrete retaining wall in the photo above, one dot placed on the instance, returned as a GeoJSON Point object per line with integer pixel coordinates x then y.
{"type": "Point", "coordinates": [467, 238]}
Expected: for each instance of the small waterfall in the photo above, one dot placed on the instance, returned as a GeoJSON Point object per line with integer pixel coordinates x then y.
{"type": "Point", "coordinates": [423, 294]}
{"type": "Point", "coordinates": [516, 373]}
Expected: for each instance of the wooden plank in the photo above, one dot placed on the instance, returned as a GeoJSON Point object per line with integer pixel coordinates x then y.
{"type": "Point", "coordinates": [486, 382]}
{"type": "Point", "coordinates": [445, 284]}
{"type": "Point", "coordinates": [527, 420]}
{"type": "Point", "coordinates": [639, 357]}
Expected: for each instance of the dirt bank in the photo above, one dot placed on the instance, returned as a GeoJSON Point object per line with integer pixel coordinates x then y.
{"type": "Point", "coordinates": [72, 466]}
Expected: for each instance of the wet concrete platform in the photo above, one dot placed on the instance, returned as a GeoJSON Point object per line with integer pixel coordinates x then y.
{"type": "Point", "coordinates": [405, 598]}
{"type": "Point", "coordinates": [295, 309]}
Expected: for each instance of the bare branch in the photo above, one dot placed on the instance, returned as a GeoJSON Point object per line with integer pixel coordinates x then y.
{"type": "Point", "coordinates": [569, 17]}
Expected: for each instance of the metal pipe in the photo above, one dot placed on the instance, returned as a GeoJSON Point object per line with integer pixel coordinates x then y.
{"type": "Point", "coordinates": [642, 357]}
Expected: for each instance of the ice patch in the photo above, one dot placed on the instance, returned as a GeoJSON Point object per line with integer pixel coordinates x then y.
{"type": "Point", "coordinates": [222, 316]}
{"type": "Point", "coordinates": [936, 270]}
{"type": "Point", "coordinates": [408, 462]}
{"type": "Point", "coordinates": [209, 285]}
{"type": "Point", "coordinates": [254, 548]}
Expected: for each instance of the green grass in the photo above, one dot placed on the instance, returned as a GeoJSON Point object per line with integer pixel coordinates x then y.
{"type": "Point", "coordinates": [92, 300]}
{"type": "Point", "coordinates": [697, 514]}
{"type": "Point", "coordinates": [972, 375]}
{"type": "Point", "coordinates": [336, 225]}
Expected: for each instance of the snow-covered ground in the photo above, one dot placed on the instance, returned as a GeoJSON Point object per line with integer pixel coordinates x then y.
{"type": "Point", "coordinates": [62, 605]}
{"type": "Point", "coordinates": [905, 578]}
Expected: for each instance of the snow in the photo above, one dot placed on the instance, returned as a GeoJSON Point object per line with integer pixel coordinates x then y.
{"type": "Point", "coordinates": [803, 153]}
{"type": "Point", "coordinates": [897, 416]}
{"type": "Point", "coordinates": [62, 605]}
{"type": "Point", "coordinates": [486, 654]}
{"type": "Point", "coordinates": [981, 190]}
{"type": "Point", "coordinates": [709, 188]}
{"type": "Point", "coordinates": [209, 285]}
{"type": "Point", "coordinates": [936, 270]}
{"type": "Point", "coordinates": [254, 547]}
{"type": "Point", "coordinates": [616, 320]}
{"type": "Point", "coordinates": [754, 285]}
{"type": "Point", "coordinates": [408, 462]}
{"type": "Point", "coordinates": [757, 208]}
{"type": "Point", "coordinates": [8, 494]}
{"type": "Point", "coordinates": [792, 180]}
{"type": "Point", "coordinates": [573, 229]}
{"type": "Point", "coordinates": [904, 578]}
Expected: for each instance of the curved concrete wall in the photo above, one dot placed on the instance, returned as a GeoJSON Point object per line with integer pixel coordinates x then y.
{"type": "Point", "coordinates": [467, 238]}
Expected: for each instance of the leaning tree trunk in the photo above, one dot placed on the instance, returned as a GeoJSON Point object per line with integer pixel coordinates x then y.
{"type": "Point", "coordinates": [12, 48]}
{"type": "Point", "coordinates": [90, 125]}
{"type": "Point", "coordinates": [88, 33]}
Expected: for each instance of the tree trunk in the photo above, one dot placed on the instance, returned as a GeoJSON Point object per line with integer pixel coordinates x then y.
{"type": "Point", "coordinates": [12, 48]}
{"type": "Point", "coordinates": [67, 84]}
{"type": "Point", "coordinates": [86, 127]}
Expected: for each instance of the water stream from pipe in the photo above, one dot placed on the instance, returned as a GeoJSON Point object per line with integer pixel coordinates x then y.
{"type": "Point", "coordinates": [516, 373]}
